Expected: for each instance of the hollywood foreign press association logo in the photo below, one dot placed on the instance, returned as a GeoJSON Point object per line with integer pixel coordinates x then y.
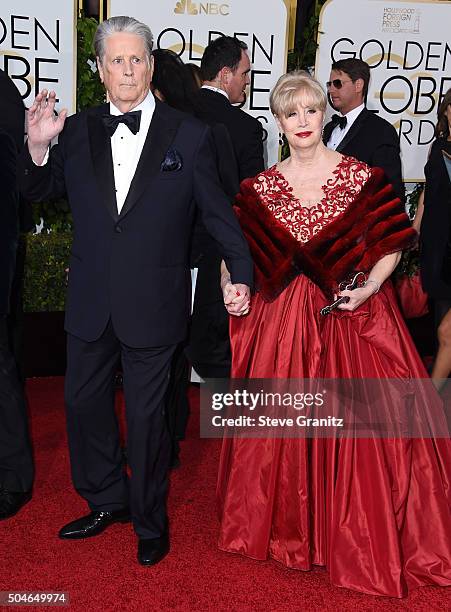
{"type": "Point", "coordinates": [186, 7]}
{"type": "Point", "coordinates": [401, 19]}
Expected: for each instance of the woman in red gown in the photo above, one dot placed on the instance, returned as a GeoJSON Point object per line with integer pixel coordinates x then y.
{"type": "Point", "coordinates": [375, 512]}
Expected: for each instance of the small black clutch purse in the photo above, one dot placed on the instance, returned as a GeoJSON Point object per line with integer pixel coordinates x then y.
{"type": "Point", "coordinates": [356, 280]}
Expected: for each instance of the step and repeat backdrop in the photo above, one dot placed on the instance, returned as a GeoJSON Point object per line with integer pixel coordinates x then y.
{"type": "Point", "coordinates": [408, 46]}
{"type": "Point", "coordinates": [406, 43]}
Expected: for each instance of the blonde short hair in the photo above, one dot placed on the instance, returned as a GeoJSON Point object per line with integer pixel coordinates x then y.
{"type": "Point", "coordinates": [295, 88]}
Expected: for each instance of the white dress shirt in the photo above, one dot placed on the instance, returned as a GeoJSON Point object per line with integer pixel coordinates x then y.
{"type": "Point", "coordinates": [339, 133]}
{"type": "Point", "coordinates": [126, 148]}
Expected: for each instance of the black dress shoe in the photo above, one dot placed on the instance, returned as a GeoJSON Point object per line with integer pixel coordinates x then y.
{"type": "Point", "coordinates": [93, 524]}
{"type": "Point", "coordinates": [11, 502]}
{"type": "Point", "coordinates": [151, 552]}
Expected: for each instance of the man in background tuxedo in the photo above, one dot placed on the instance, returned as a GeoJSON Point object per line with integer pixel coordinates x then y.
{"type": "Point", "coordinates": [225, 68]}
{"type": "Point", "coordinates": [134, 171]}
{"type": "Point", "coordinates": [16, 463]}
{"type": "Point", "coordinates": [356, 131]}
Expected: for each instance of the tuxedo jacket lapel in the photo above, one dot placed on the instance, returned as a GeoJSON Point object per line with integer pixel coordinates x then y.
{"type": "Point", "coordinates": [328, 129]}
{"type": "Point", "coordinates": [354, 130]}
{"type": "Point", "coordinates": [161, 133]}
{"type": "Point", "coordinates": [102, 160]}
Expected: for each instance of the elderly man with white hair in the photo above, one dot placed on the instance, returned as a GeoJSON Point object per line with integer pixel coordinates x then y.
{"type": "Point", "coordinates": [134, 170]}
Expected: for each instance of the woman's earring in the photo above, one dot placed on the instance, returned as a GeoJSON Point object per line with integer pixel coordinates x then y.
{"type": "Point", "coordinates": [281, 142]}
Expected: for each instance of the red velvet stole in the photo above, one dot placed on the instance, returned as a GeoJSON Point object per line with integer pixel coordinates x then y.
{"type": "Point", "coordinates": [374, 224]}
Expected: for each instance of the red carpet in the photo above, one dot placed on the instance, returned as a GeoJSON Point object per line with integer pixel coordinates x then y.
{"type": "Point", "coordinates": [102, 573]}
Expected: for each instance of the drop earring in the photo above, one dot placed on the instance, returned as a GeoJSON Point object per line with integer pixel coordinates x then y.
{"type": "Point", "coordinates": [281, 141]}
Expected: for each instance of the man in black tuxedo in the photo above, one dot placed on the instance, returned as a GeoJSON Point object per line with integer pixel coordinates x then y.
{"type": "Point", "coordinates": [225, 68]}
{"type": "Point", "coordinates": [356, 131]}
{"type": "Point", "coordinates": [134, 171]}
{"type": "Point", "coordinates": [16, 463]}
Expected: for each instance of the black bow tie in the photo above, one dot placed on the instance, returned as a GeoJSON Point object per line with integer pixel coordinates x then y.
{"type": "Point", "coordinates": [339, 120]}
{"type": "Point", "coordinates": [131, 119]}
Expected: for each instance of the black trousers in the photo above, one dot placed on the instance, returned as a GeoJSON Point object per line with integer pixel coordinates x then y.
{"type": "Point", "coordinates": [96, 459]}
{"type": "Point", "coordinates": [177, 405]}
{"type": "Point", "coordinates": [16, 461]}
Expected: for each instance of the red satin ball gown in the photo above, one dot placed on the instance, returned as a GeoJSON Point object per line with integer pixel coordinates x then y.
{"type": "Point", "coordinates": [374, 512]}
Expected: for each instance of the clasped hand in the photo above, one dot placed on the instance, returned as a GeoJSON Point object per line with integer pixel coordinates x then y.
{"type": "Point", "coordinates": [237, 298]}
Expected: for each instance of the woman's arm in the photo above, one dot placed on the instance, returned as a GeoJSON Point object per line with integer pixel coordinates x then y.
{"type": "Point", "coordinates": [378, 275]}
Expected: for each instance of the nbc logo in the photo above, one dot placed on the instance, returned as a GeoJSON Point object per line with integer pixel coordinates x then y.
{"type": "Point", "coordinates": [185, 6]}
{"type": "Point", "coordinates": [200, 8]}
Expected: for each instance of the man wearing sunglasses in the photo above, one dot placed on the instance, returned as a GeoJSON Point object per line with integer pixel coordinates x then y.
{"type": "Point", "coordinates": [356, 131]}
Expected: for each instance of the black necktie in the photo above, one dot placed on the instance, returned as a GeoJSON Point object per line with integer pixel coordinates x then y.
{"type": "Point", "coordinates": [131, 119]}
{"type": "Point", "coordinates": [339, 120]}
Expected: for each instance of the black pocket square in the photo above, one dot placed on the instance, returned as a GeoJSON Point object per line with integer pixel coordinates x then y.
{"type": "Point", "coordinates": [172, 162]}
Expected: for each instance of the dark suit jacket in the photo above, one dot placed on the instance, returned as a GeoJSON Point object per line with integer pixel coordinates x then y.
{"type": "Point", "coordinates": [374, 141]}
{"type": "Point", "coordinates": [9, 217]}
{"type": "Point", "coordinates": [12, 121]}
{"type": "Point", "coordinates": [227, 167]}
{"type": "Point", "coordinates": [245, 131]}
{"type": "Point", "coordinates": [12, 118]}
{"type": "Point", "coordinates": [12, 110]}
{"type": "Point", "coordinates": [134, 267]}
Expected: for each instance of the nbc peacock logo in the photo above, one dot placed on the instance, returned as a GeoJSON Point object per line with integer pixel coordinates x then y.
{"type": "Point", "coordinates": [185, 6]}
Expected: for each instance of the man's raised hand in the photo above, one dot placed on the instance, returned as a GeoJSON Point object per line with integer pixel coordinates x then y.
{"type": "Point", "coordinates": [43, 124]}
